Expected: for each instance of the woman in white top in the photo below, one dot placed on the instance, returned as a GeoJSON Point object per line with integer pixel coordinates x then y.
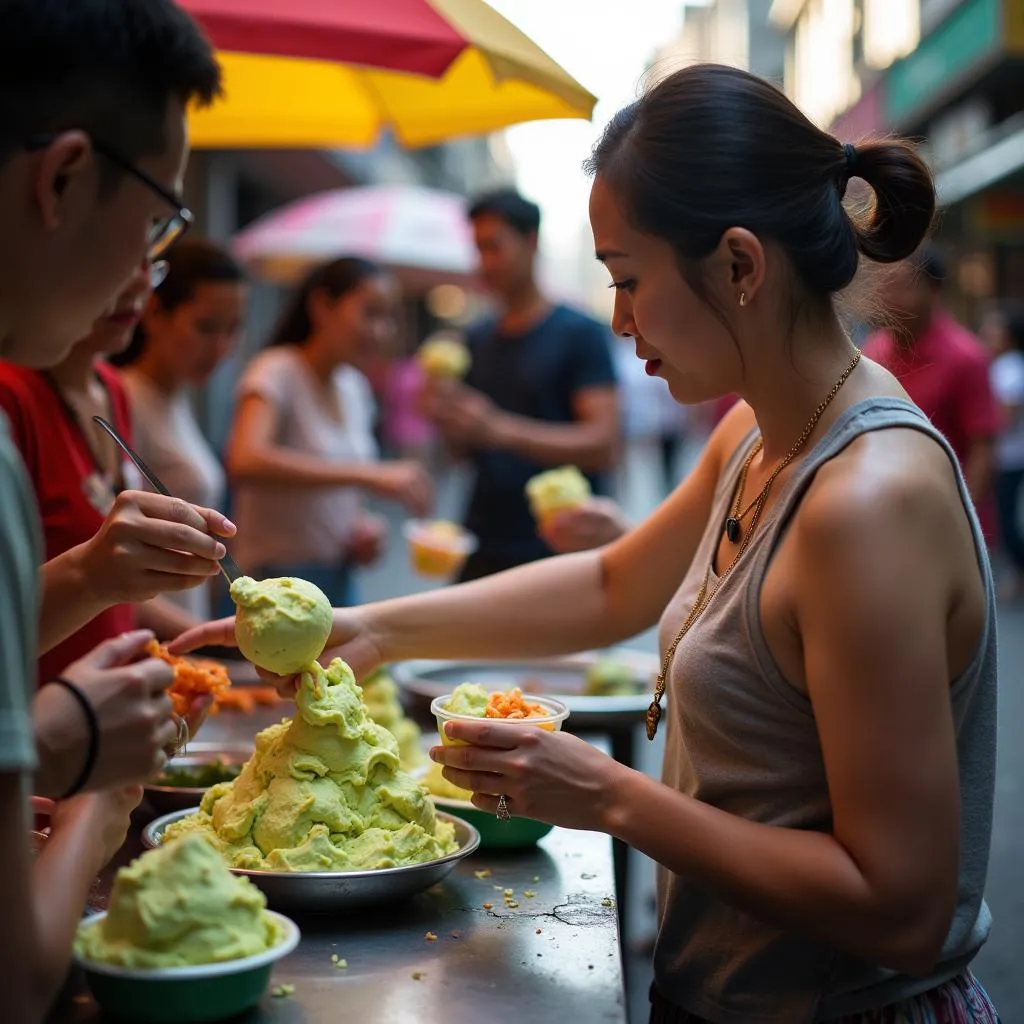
{"type": "Point", "coordinates": [191, 323]}
{"type": "Point", "coordinates": [302, 452]}
{"type": "Point", "coordinates": [1003, 333]}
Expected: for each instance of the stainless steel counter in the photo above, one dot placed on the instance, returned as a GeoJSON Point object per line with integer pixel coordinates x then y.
{"type": "Point", "coordinates": [553, 958]}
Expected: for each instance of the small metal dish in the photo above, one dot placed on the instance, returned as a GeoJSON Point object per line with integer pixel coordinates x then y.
{"type": "Point", "coordinates": [321, 892]}
{"type": "Point", "coordinates": [164, 799]}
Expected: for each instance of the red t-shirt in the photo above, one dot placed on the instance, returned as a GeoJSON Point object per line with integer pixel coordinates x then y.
{"type": "Point", "coordinates": [73, 499]}
{"type": "Point", "coordinates": [946, 373]}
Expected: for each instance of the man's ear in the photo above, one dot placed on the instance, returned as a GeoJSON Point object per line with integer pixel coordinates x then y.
{"type": "Point", "coordinates": [64, 178]}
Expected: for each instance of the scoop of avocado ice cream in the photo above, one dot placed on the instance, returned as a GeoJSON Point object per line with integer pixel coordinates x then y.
{"type": "Point", "coordinates": [468, 699]}
{"type": "Point", "coordinates": [380, 695]}
{"type": "Point", "coordinates": [281, 625]}
{"type": "Point", "coordinates": [557, 489]}
{"type": "Point", "coordinates": [322, 792]}
{"type": "Point", "coordinates": [176, 906]}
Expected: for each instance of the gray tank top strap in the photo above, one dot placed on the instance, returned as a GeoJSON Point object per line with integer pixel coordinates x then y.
{"type": "Point", "coordinates": [879, 413]}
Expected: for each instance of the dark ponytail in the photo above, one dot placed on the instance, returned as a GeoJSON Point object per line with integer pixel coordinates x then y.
{"type": "Point", "coordinates": [190, 264]}
{"type": "Point", "coordinates": [336, 279]}
{"type": "Point", "coordinates": [712, 147]}
{"type": "Point", "coordinates": [904, 200]}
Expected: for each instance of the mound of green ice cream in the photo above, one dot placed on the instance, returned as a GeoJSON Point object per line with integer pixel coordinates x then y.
{"type": "Point", "coordinates": [468, 699]}
{"type": "Point", "coordinates": [281, 625]}
{"type": "Point", "coordinates": [322, 792]}
{"type": "Point", "coordinates": [380, 695]}
{"type": "Point", "coordinates": [179, 906]}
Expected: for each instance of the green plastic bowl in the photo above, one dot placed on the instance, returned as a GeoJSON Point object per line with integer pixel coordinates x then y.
{"type": "Point", "coordinates": [186, 995]}
{"type": "Point", "coordinates": [513, 834]}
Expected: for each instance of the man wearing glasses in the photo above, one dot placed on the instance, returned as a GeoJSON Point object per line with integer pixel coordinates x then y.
{"type": "Point", "coordinates": [92, 150]}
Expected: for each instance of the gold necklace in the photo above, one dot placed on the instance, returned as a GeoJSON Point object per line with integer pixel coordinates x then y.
{"type": "Point", "coordinates": [733, 530]}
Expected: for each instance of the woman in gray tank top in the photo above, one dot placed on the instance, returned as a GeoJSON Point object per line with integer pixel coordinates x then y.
{"type": "Point", "coordinates": [826, 607]}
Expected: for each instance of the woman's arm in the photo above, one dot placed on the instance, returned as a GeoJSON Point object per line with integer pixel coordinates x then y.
{"type": "Point", "coordinates": [564, 604]}
{"type": "Point", "coordinates": [555, 606]}
{"type": "Point", "coordinates": [148, 544]}
{"type": "Point", "coordinates": [44, 901]}
{"type": "Point", "coordinates": [254, 456]}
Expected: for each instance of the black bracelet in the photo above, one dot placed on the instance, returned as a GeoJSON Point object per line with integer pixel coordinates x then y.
{"type": "Point", "coordinates": [92, 753]}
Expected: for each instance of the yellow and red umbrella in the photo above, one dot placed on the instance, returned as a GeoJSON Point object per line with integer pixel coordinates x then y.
{"type": "Point", "coordinates": [321, 74]}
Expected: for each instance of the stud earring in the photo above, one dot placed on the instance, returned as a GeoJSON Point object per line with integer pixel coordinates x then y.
{"type": "Point", "coordinates": [743, 298]}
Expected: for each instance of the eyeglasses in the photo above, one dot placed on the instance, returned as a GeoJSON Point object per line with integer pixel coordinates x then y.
{"type": "Point", "coordinates": [165, 231]}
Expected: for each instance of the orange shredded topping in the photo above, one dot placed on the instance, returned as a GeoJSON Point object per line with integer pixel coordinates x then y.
{"type": "Point", "coordinates": [192, 678]}
{"type": "Point", "coordinates": [513, 705]}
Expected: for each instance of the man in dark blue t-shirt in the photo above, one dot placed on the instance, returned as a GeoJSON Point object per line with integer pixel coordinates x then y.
{"type": "Point", "coordinates": [540, 392]}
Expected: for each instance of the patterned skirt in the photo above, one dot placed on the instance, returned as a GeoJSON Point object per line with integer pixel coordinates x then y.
{"type": "Point", "coordinates": [961, 1000]}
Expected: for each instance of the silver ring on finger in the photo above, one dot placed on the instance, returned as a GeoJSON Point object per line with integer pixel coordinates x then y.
{"type": "Point", "coordinates": [503, 811]}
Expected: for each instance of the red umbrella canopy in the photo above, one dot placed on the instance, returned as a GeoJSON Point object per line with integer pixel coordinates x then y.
{"type": "Point", "coordinates": [399, 35]}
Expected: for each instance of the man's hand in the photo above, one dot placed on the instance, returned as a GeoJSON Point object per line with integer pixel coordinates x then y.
{"type": "Point", "coordinates": [136, 730]}
{"type": "Point", "coordinates": [597, 522]}
{"type": "Point", "coordinates": [150, 544]}
{"type": "Point", "coordinates": [466, 417]}
{"type": "Point", "coordinates": [366, 543]}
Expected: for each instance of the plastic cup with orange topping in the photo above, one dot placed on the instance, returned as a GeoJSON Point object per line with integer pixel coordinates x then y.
{"type": "Point", "coordinates": [438, 549]}
{"type": "Point", "coordinates": [472, 703]}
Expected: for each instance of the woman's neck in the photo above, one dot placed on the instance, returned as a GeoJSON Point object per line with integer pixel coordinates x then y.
{"type": "Point", "coordinates": [792, 382]}
{"type": "Point", "coordinates": [77, 374]}
{"type": "Point", "coordinates": [319, 358]}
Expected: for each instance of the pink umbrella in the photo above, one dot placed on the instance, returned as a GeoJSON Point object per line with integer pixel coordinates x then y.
{"type": "Point", "coordinates": [421, 233]}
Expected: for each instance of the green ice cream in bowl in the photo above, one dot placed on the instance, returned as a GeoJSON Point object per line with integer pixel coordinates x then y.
{"type": "Point", "coordinates": [184, 939]}
{"type": "Point", "coordinates": [324, 797]}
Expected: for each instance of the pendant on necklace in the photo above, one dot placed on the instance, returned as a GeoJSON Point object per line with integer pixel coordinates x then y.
{"type": "Point", "coordinates": [653, 718]}
{"type": "Point", "coordinates": [733, 529]}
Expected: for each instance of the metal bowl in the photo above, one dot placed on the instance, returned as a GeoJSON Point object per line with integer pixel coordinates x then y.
{"type": "Point", "coordinates": [320, 892]}
{"type": "Point", "coordinates": [164, 799]}
{"type": "Point", "coordinates": [564, 678]}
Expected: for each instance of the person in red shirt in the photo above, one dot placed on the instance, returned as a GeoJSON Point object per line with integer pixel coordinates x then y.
{"type": "Point", "coordinates": [943, 367]}
{"type": "Point", "coordinates": [76, 469]}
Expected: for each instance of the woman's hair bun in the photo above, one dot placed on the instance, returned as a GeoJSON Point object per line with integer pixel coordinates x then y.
{"type": "Point", "coordinates": [904, 200]}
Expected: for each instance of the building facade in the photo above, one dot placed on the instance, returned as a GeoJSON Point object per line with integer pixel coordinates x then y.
{"type": "Point", "coordinates": [950, 74]}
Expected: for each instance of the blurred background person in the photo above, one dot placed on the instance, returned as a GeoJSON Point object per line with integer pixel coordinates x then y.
{"type": "Point", "coordinates": [76, 469]}
{"type": "Point", "coordinates": [191, 322]}
{"type": "Point", "coordinates": [302, 454]}
{"type": "Point", "coordinates": [1002, 331]}
{"type": "Point", "coordinates": [943, 367]}
{"type": "Point", "coordinates": [540, 392]}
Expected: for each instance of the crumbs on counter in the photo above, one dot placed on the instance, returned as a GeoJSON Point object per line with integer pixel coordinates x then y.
{"type": "Point", "coordinates": [486, 873]}
{"type": "Point", "coordinates": [529, 893]}
{"type": "Point", "coordinates": [430, 937]}
{"type": "Point", "coordinates": [607, 902]}
{"type": "Point", "coordinates": [282, 991]}
{"type": "Point", "coordinates": [488, 906]}
{"type": "Point", "coordinates": [539, 931]}
{"type": "Point", "coordinates": [338, 962]}
{"type": "Point", "coordinates": [536, 878]}
{"type": "Point", "coordinates": [417, 975]}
